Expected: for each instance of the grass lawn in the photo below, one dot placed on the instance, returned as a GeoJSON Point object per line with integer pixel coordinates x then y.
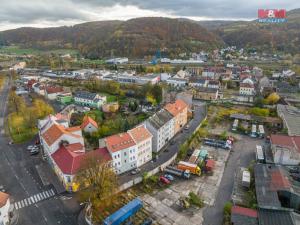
{"type": "Point", "coordinates": [110, 98]}
{"type": "Point", "coordinates": [17, 129]}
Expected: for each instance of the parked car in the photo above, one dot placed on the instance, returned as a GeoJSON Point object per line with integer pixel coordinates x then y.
{"type": "Point", "coordinates": [34, 152]}
{"type": "Point", "coordinates": [172, 142]}
{"type": "Point", "coordinates": [296, 177]}
{"type": "Point", "coordinates": [30, 147]}
{"type": "Point", "coordinates": [164, 180]}
{"type": "Point", "coordinates": [136, 171]}
{"type": "Point", "coordinates": [11, 143]}
{"type": "Point", "coordinates": [187, 127]}
{"type": "Point", "coordinates": [169, 177]}
{"type": "Point", "coordinates": [294, 169]}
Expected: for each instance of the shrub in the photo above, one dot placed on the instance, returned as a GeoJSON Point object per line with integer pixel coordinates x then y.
{"type": "Point", "coordinates": [195, 200]}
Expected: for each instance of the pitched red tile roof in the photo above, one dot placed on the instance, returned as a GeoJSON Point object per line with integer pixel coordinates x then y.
{"type": "Point", "coordinates": [286, 141]}
{"type": "Point", "coordinates": [55, 132]}
{"type": "Point", "coordinates": [71, 158]}
{"type": "Point", "coordinates": [88, 120]}
{"type": "Point", "coordinates": [73, 129]}
{"type": "Point", "coordinates": [118, 142]}
{"type": "Point", "coordinates": [3, 199]}
{"type": "Point", "coordinates": [52, 90]}
{"type": "Point", "coordinates": [177, 107]}
{"type": "Point", "coordinates": [140, 133]}
{"type": "Point", "coordinates": [244, 211]}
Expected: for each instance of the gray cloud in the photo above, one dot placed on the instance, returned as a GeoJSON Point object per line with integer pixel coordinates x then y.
{"type": "Point", "coordinates": [51, 11]}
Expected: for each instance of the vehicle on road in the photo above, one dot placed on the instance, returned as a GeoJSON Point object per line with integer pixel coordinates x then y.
{"type": "Point", "coordinates": [172, 142]}
{"type": "Point", "coordinates": [187, 127]}
{"type": "Point", "coordinates": [294, 169]}
{"type": "Point", "coordinates": [34, 152]}
{"type": "Point", "coordinates": [136, 171]}
{"type": "Point", "coordinates": [169, 177]}
{"type": "Point", "coordinates": [164, 180]}
{"type": "Point", "coordinates": [11, 143]}
{"type": "Point", "coordinates": [30, 147]}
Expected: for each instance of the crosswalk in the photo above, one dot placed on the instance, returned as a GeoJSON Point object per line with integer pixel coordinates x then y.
{"type": "Point", "coordinates": [34, 199]}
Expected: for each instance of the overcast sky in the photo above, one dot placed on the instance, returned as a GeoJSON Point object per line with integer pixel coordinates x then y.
{"type": "Point", "coordinates": [44, 13]}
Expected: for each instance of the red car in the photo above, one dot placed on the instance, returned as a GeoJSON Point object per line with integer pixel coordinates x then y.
{"type": "Point", "coordinates": [164, 180]}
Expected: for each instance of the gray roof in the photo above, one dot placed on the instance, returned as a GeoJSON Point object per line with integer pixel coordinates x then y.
{"type": "Point", "coordinates": [265, 194]}
{"type": "Point", "coordinates": [206, 89]}
{"type": "Point", "coordinates": [85, 95]}
{"type": "Point", "coordinates": [160, 118]}
{"type": "Point", "coordinates": [197, 80]}
{"type": "Point", "coordinates": [291, 118]}
{"type": "Point", "coordinates": [275, 217]}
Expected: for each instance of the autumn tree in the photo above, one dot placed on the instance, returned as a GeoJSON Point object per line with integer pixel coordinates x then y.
{"type": "Point", "coordinates": [273, 98]}
{"type": "Point", "coordinates": [98, 184]}
{"type": "Point", "coordinates": [16, 103]}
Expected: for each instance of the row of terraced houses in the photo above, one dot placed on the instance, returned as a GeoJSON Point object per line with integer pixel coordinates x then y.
{"type": "Point", "coordinates": [64, 146]}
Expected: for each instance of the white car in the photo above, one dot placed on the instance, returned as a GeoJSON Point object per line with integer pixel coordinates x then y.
{"type": "Point", "coordinates": [30, 147]}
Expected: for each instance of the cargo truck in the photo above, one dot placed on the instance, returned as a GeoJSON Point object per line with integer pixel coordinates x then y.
{"type": "Point", "coordinates": [177, 172]}
{"type": "Point", "coordinates": [193, 168]}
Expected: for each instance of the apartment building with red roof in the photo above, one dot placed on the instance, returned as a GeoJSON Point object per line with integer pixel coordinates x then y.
{"type": "Point", "coordinates": [70, 158]}
{"type": "Point", "coordinates": [143, 139]}
{"type": "Point", "coordinates": [179, 109]}
{"type": "Point", "coordinates": [4, 208]}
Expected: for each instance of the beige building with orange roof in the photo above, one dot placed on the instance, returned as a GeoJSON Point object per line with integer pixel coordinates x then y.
{"type": "Point", "coordinates": [179, 110]}
{"type": "Point", "coordinates": [143, 139]}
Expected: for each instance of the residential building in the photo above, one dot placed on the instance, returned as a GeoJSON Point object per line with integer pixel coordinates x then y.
{"type": "Point", "coordinates": [143, 139]}
{"type": "Point", "coordinates": [177, 82]}
{"type": "Point", "coordinates": [204, 93]}
{"type": "Point", "coordinates": [197, 82]}
{"type": "Point", "coordinates": [70, 158]}
{"type": "Point", "coordinates": [123, 151]}
{"type": "Point", "coordinates": [39, 88]}
{"type": "Point", "coordinates": [89, 125]}
{"type": "Point", "coordinates": [51, 92]}
{"type": "Point", "coordinates": [179, 109]}
{"type": "Point", "coordinates": [110, 107]}
{"type": "Point", "coordinates": [290, 116]}
{"type": "Point", "coordinates": [53, 134]}
{"type": "Point", "coordinates": [285, 149]}
{"type": "Point", "coordinates": [4, 208]}
{"type": "Point", "coordinates": [213, 84]}
{"type": "Point", "coordinates": [117, 61]}
{"type": "Point", "coordinates": [247, 89]}
{"type": "Point", "coordinates": [65, 98]}
{"type": "Point", "coordinates": [88, 99]}
{"type": "Point", "coordinates": [162, 126]}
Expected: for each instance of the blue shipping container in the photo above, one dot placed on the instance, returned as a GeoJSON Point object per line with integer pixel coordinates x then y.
{"type": "Point", "coordinates": [124, 213]}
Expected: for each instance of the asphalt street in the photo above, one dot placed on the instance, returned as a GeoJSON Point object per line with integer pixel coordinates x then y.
{"type": "Point", "coordinates": [241, 156]}
{"type": "Point", "coordinates": [21, 181]}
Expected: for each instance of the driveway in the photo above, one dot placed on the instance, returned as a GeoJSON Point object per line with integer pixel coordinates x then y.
{"type": "Point", "coordinates": [241, 156]}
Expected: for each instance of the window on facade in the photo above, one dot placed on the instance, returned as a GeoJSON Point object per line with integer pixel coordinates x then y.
{"type": "Point", "coordinates": [124, 153]}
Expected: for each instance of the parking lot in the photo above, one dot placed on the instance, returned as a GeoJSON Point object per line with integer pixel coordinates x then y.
{"type": "Point", "coordinates": [164, 204]}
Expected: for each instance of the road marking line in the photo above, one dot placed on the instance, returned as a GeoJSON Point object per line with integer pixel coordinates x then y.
{"type": "Point", "coordinates": [25, 202]}
{"type": "Point", "coordinates": [35, 198]}
{"type": "Point", "coordinates": [19, 205]}
{"type": "Point", "coordinates": [47, 194]}
{"type": "Point", "coordinates": [16, 206]}
{"type": "Point", "coordinates": [32, 199]}
{"type": "Point", "coordinates": [44, 194]}
{"type": "Point", "coordinates": [52, 192]}
{"type": "Point", "coordinates": [41, 196]}
{"type": "Point", "coordinates": [29, 202]}
{"type": "Point", "coordinates": [22, 204]}
{"type": "Point", "coordinates": [38, 197]}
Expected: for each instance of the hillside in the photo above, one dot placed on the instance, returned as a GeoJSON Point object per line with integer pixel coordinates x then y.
{"type": "Point", "coordinates": [268, 37]}
{"type": "Point", "coordinates": [134, 38]}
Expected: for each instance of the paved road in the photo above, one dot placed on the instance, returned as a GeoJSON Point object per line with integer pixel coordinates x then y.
{"type": "Point", "coordinates": [20, 179]}
{"type": "Point", "coordinates": [170, 150]}
{"type": "Point", "coordinates": [241, 156]}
